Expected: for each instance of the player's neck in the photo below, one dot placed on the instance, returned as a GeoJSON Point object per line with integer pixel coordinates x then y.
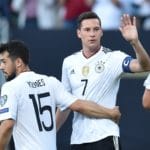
{"type": "Point", "coordinates": [23, 69]}
{"type": "Point", "coordinates": [87, 53]}
{"type": "Point", "coordinates": [26, 69]}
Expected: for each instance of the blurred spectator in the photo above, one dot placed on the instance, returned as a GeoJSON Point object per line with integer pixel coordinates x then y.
{"type": "Point", "coordinates": [47, 17]}
{"type": "Point", "coordinates": [72, 9]}
{"type": "Point", "coordinates": [142, 11]}
{"type": "Point", "coordinates": [26, 10]}
{"type": "Point", "coordinates": [110, 12]}
{"type": "Point", "coordinates": [127, 6]}
{"type": "Point", "coordinates": [35, 13]}
{"type": "Point", "coordinates": [4, 20]}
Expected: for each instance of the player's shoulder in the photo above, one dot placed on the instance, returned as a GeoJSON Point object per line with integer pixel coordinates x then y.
{"type": "Point", "coordinates": [110, 51]}
{"type": "Point", "coordinates": [53, 79]}
{"type": "Point", "coordinates": [114, 53]}
{"type": "Point", "coordinates": [119, 54]}
{"type": "Point", "coordinates": [44, 77]}
{"type": "Point", "coordinates": [106, 50]}
{"type": "Point", "coordinates": [7, 85]}
{"type": "Point", "coordinates": [53, 82]}
{"type": "Point", "coordinates": [72, 56]}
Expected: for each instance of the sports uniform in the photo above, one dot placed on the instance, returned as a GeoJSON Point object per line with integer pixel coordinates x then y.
{"type": "Point", "coordinates": [32, 105]}
{"type": "Point", "coordinates": [96, 78]}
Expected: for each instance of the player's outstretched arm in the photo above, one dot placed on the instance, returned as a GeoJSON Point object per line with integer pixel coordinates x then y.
{"type": "Point", "coordinates": [129, 32]}
{"type": "Point", "coordinates": [92, 109]}
{"type": "Point", "coordinates": [89, 109]}
{"type": "Point", "coordinates": [86, 107]}
{"type": "Point", "coordinates": [6, 128]}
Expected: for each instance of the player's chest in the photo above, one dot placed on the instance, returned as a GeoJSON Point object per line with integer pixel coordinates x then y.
{"type": "Point", "coordinates": [95, 68]}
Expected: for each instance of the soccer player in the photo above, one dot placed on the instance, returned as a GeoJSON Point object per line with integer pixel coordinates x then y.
{"type": "Point", "coordinates": [146, 95]}
{"type": "Point", "coordinates": [28, 102]}
{"type": "Point", "coordinates": [94, 73]}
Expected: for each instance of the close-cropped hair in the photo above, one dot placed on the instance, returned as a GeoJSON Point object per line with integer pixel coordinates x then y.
{"type": "Point", "coordinates": [87, 15]}
{"type": "Point", "coordinates": [16, 49]}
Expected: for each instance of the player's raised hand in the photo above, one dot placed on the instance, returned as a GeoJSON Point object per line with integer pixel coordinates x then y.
{"type": "Point", "coordinates": [128, 28]}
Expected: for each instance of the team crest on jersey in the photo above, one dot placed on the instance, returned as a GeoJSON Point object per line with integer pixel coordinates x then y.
{"type": "Point", "coordinates": [3, 100]}
{"type": "Point", "coordinates": [99, 67]}
{"type": "Point", "coordinates": [85, 70]}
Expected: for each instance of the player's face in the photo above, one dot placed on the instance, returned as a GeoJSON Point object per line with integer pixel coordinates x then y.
{"type": "Point", "coordinates": [90, 33]}
{"type": "Point", "coordinates": [7, 66]}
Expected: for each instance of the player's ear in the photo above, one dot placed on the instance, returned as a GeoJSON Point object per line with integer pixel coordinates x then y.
{"type": "Point", "coordinates": [18, 62]}
{"type": "Point", "coordinates": [78, 33]}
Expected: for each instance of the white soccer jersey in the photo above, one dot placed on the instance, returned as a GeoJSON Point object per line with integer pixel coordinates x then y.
{"type": "Point", "coordinates": [96, 78]}
{"type": "Point", "coordinates": [31, 99]}
{"type": "Point", "coordinates": [147, 82]}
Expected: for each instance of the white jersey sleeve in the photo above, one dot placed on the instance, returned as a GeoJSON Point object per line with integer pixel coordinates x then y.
{"type": "Point", "coordinates": [63, 98]}
{"type": "Point", "coordinates": [8, 103]}
{"type": "Point", "coordinates": [147, 82]}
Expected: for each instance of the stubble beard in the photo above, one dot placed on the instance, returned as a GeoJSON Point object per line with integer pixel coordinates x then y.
{"type": "Point", "coordinates": [12, 76]}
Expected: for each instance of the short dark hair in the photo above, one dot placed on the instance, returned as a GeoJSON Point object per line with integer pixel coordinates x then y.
{"type": "Point", "coordinates": [87, 15]}
{"type": "Point", "coordinates": [16, 49]}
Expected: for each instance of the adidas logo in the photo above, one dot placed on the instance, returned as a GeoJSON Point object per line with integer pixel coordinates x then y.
{"type": "Point", "coordinates": [72, 71]}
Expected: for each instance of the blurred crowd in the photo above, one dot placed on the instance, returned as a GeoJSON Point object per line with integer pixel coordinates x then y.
{"type": "Point", "coordinates": [60, 14]}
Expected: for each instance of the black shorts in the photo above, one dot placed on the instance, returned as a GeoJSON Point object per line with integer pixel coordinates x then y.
{"type": "Point", "coordinates": [104, 144]}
